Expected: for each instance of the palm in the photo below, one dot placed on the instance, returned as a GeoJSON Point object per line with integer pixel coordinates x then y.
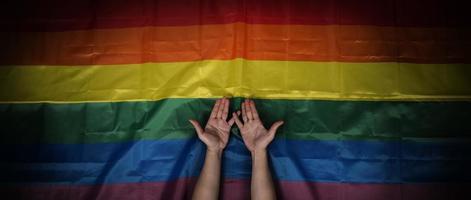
{"type": "Point", "coordinates": [216, 133]}
{"type": "Point", "coordinates": [254, 134]}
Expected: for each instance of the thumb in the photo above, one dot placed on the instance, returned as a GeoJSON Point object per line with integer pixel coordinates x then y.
{"type": "Point", "coordinates": [197, 126]}
{"type": "Point", "coordinates": [275, 127]}
{"type": "Point", "coordinates": [235, 116]}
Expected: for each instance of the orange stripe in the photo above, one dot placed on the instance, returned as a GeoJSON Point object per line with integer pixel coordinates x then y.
{"type": "Point", "coordinates": [238, 40]}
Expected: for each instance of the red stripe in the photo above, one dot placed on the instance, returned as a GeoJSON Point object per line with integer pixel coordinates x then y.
{"type": "Point", "coordinates": [240, 189]}
{"type": "Point", "coordinates": [59, 15]}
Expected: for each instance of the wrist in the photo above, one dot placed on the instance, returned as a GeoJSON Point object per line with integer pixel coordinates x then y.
{"type": "Point", "coordinates": [258, 152]}
{"type": "Point", "coordinates": [214, 152]}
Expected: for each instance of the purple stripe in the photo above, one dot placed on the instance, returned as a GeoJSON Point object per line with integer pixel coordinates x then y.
{"type": "Point", "coordinates": [240, 189]}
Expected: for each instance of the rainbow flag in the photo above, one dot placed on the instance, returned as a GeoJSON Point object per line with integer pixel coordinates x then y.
{"type": "Point", "coordinates": [95, 96]}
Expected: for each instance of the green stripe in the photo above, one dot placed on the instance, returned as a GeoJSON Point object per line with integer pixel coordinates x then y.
{"type": "Point", "coordinates": [167, 119]}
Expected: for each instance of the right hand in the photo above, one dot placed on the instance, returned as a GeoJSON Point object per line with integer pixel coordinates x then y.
{"type": "Point", "coordinates": [216, 133]}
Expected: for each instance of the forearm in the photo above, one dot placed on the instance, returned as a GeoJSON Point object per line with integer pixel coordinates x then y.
{"type": "Point", "coordinates": [262, 186]}
{"type": "Point", "coordinates": [207, 186]}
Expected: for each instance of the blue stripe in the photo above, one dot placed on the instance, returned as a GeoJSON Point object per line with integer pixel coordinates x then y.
{"type": "Point", "coordinates": [414, 160]}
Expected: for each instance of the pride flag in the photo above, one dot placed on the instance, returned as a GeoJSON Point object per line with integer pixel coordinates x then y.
{"type": "Point", "coordinates": [95, 96]}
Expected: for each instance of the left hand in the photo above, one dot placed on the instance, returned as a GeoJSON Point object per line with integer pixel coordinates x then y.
{"type": "Point", "coordinates": [256, 137]}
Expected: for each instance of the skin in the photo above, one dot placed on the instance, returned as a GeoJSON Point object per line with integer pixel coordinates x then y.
{"type": "Point", "coordinates": [216, 135]}
{"type": "Point", "coordinates": [257, 138]}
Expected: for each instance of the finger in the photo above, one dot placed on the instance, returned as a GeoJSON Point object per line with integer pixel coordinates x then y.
{"type": "Point", "coordinates": [275, 127]}
{"type": "Point", "coordinates": [225, 110]}
{"type": "Point", "coordinates": [244, 113]}
{"type": "Point", "coordinates": [237, 121]}
{"type": "Point", "coordinates": [197, 126]}
{"type": "Point", "coordinates": [221, 107]}
{"type": "Point", "coordinates": [248, 110]}
{"type": "Point", "coordinates": [232, 120]}
{"type": "Point", "coordinates": [215, 110]}
{"type": "Point", "coordinates": [254, 110]}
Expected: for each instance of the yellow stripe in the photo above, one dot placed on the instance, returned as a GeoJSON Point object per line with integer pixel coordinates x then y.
{"type": "Point", "coordinates": [239, 77]}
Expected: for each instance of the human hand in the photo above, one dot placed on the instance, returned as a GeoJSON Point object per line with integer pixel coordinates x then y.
{"type": "Point", "coordinates": [216, 133]}
{"type": "Point", "coordinates": [256, 137]}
